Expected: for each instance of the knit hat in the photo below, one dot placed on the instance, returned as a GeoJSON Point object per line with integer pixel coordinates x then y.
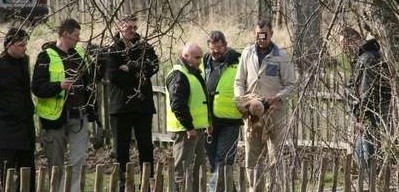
{"type": "Point", "coordinates": [15, 35]}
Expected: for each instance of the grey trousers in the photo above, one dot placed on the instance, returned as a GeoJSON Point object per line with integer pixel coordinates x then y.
{"type": "Point", "coordinates": [192, 152]}
{"type": "Point", "coordinates": [55, 143]}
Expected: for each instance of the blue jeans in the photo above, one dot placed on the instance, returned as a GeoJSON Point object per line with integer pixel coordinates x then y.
{"type": "Point", "coordinates": [222, 150]}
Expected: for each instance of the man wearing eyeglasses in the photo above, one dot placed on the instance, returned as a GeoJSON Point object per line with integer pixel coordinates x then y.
{"type": "Point", "coordinates": [131, 63]}
{"type": "Point", "coordinates": [267, 71]}
{"type": "Point", "coordinates": [17, 131]}
{"type": "Point", "coordinates": [220, 67]}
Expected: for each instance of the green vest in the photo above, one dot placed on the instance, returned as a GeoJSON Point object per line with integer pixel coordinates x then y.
{"type": "Point", "coordinates": [223, 104]}
{"type": "Point", "coordinates": [51, 108]}
{"type": "Point", "coordinates": [196, 103]}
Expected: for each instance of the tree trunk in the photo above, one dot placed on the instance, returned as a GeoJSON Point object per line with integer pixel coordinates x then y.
{"type": "Point", "coordinates": [307, 41]}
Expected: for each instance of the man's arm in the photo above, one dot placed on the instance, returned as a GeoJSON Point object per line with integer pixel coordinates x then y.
{"type": "Point", "coordinates": [179, 93]}
{"type": "Point", "coordinates": [41, 85]}
{"type": "Point", "coordinates": [288, 77]}
{"type": "Point", "coordinates": [117, 76]}
{"type": "Point", "coordinates": [240, 82]}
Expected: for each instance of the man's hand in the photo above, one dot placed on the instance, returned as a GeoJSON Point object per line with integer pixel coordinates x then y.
{"type": "Point", "coordinates": [273, 102]}
{"type": "Point", "coordinates": [191, 133]}
{"type": "Point", "coordinates": [209, 130]}
{"type": "Point", "coordinates": [124, 68]}
{"type": "Point", "coordinates": [67, 84]}
{"type": "Point", "coordinates": [359, 127]}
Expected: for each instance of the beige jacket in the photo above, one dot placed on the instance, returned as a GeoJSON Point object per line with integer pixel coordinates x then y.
{"type": "Point", "coordinates": [275, 77]}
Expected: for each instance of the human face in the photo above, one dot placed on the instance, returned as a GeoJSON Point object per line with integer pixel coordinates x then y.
{"type": "Point", "coordinates": [71, 39]}
{"type": "Point", "coordinates": [17, 49]}
{"type": "Point", "coordinates": [194, 58]}
{"type": "Point", "coordinates": [217, 49]}
{"type": "Point", "coordinates": [349, 45]}
{"type": "Point", "coordinates": [263, 36]}
{"type": "Point", "coordinates": [128, 29]}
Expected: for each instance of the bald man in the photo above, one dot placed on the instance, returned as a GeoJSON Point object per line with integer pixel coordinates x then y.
{"type": "Point", "coordinates": [187, 114]}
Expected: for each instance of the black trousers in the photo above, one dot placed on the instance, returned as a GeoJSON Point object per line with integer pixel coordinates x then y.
{"type": "Point", "coordinates": [142, 124]}
{"type": "Point", "coordinates": [10, 158]}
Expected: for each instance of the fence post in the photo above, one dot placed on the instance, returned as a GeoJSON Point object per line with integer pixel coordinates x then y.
{"type": "Point", "coordinates": [113, 182]}
{"type": "Point", "coordinates": [304, 174]}
{"type": "Point", "coordinates": [202, 178]}
{"type": "Point", "coordinates": [347, 182]}
{"type": "Point", "coordinates": [220, 181]}
{"type": "Point", "coordinates": [129, 175]}
{"type": "Point", "coordinates": [82, 178]}
{"type": "Point", "coordinates": [228, 178]}
{"type": "Point", "coordinates": [159, 178]}
{"type": "Point", "coordinates": [171, 174]}
{"type": "Point", "coordinates": [145, 177]}
{"type": "Point", "coordinates": [25, 179]}
{"type": "Point", "coordinates": [387, 177]}
{"type": "Point", "coordinates": [242, 180]}
{"type": "Point", "coordinates": [152, 184]}
{"type": "Point", "coordinates": [54, 181]}
{"type": "Point", "coordinates": [41, 176]}
{"type": "Point", "coordinates": [335, 173]}
{"type": "Point", "coordinates": [322, 174]}
{"type": "Point", "coordinates": [10, 180]}
{"type": "Point", "coordinates": [188, 183]}
{"type": "Point", "coordinates": [373, 174]}
{"type": "Point", "coordinates": [98, 182]}
{"type": "Point", "coordinates": [68, 178]}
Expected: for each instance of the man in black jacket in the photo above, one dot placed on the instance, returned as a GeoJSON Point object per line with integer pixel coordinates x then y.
{"type": "Point", "coordinates": [371, 93]}
{"type": "Point", "coordinates": [130, 65]}
{"type": "Point", "coordinates": [61, 83]}
{"type": "Point", "coordinates": [17, 131]}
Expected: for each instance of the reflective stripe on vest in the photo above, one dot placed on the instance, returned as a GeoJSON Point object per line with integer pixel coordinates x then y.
{"type": "Point", "coordinates": [196, 103]}
{"type": "Point", "coordinates": [51, 108]}
{"type": "Point", "coordinates": [223, 104]}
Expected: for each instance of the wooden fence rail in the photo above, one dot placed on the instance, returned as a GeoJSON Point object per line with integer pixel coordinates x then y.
{"type": "Point", "coordinates": [231, 177]}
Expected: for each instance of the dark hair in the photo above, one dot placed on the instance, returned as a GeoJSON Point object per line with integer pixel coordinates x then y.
{"type": "Point", "coordinates": [15, 35]}
{"type": "Point", "coordinates": [216, 36]}
{"type": "Point", "coordinates": [127, 18]}
{"type": "Point", "coordinates": [349, 32]}
{"type": "Point", "coordinates": [264, 23]}
{"type": "Point", "coordinates": [68, 25]}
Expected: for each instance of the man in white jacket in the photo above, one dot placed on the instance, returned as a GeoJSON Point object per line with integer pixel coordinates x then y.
{"type": "Point", "coordinates": [267, 71]}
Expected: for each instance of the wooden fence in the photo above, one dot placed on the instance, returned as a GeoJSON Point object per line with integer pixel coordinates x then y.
{"type": "Point", "coordinates": [332, 172]}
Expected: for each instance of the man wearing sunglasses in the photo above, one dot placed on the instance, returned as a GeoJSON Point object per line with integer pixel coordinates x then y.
{"type": "Point", "coordinates": [131, 63]}
{"type": "Point", "coordinates": [267, 71]}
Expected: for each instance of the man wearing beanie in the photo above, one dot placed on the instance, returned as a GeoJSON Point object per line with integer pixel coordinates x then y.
{"type": "Point", "coordinates": [17, 138]}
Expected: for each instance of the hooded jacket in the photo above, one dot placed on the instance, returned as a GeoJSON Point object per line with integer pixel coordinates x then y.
{"type": "Point", "coordinates": [370, 80]}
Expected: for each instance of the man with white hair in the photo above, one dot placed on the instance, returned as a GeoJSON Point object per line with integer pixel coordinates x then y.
{"type": "Point", "coordinates": [187, 113]}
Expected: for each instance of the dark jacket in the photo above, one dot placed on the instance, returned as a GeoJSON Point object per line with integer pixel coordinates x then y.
{"type": "Point", "coordinates": [212, 75]}
{"type": "Point", "coordinates": [179, 93]}
{"type": "Point", "coordinates": [370, 81]}
{"type": "Point", "coordinates": [78, 97]}
{"type": "Point", "coordinates": [131, 91]}
{"type": "Point", "coordinates": [16, 107]}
